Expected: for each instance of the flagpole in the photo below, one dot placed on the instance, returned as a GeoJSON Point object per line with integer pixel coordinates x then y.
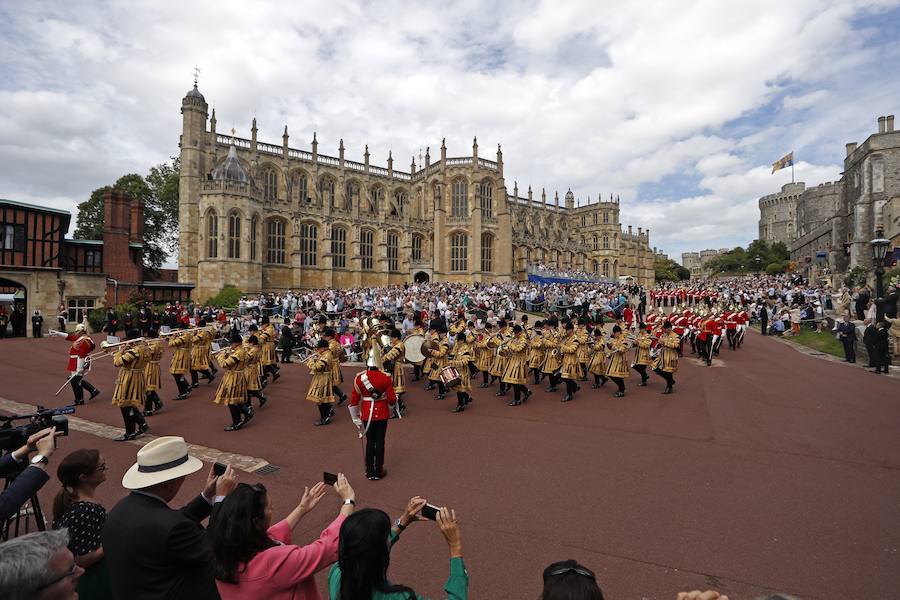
{"type": "Point", "coordinates": [792, 171]}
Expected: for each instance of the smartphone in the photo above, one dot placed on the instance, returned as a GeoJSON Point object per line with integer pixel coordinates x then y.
{"type": "Point", "coordinates": [430, 512]}
{"type": "Point", "coordinates": [219, 469]}
{"type": "Point", "coordinates": [329, 478]}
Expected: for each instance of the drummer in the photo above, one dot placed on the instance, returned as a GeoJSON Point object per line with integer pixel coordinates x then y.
{"type": "Point", "coordinates": [417, 330]}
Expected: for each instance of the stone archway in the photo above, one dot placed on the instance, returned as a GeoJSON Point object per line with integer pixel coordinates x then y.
{"type": "Point", "coordinates": [421, 277]}
{"type": "Point", "coordinates": [14, 299]}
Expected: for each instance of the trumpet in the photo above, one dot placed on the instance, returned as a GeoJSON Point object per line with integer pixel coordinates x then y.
{"type": "Point", "coordinates": [180, 331]}
{"type": "Point", "coordinates": [106, 348]}
{"type": "Point", "coordinates": [107, 345]}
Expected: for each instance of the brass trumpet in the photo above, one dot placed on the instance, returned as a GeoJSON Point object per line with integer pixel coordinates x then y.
{"type": "Point", "coordinates": [180, 331]}
{"type": "Point", "coordinates": [106, 348]}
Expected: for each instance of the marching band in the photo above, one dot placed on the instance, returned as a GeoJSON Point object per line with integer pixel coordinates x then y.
{"type": "Point", "coordinates": [449, 358]}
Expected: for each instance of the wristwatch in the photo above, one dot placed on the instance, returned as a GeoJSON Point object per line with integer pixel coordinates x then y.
{"type": "Point", "coordinates": [350, 501]}
{"type": "Point", "coordinates": [400, 526]}
{"type": "Point", "coordinates": [40, 459]}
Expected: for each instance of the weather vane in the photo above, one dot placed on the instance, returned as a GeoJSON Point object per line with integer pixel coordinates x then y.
{"type": "Point", "coordinates": [196, 74]}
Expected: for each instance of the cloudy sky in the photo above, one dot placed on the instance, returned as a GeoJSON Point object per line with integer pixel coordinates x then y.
{"type": "Point", "coordinates": [677, 107]}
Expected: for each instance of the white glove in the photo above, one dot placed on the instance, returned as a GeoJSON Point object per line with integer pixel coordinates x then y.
{"type": "Point", "coordinates": [358, 422]}
{"type": "Point", "coordinates": [354, 414]}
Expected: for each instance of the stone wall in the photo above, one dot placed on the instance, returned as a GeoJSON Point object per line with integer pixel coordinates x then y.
{"type": "Point", "coordinates": [42, 291]}
{"type": "Point", "coordinates": [777, 214]}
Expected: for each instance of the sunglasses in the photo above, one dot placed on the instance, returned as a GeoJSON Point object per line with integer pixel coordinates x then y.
{"type": "Point", "coordinates": [564, 570]}
{"type": "Point", "coordinates": [101, 467]}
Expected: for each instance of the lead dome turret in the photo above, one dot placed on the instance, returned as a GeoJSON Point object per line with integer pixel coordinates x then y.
{"type": "Point", "coordinates": [231, 169]}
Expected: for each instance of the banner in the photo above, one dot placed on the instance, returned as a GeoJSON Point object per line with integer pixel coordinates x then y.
{"type": "Point", "coordinates": [785, 161]}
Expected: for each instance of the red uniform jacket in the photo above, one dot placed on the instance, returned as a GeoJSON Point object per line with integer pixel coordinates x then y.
{"type": "Point", "coordinates": [381, 382]}
{"type": "Point", "coordinates": [82, 345]}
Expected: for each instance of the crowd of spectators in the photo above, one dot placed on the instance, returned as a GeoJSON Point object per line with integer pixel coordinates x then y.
{"type": "Point", "coordinates": [144, 548]}
{"type": "Point", "coordinates": [575, 275]}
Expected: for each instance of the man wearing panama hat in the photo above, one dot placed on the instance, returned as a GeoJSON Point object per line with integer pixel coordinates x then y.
{"type": "Point", "coordinates": [154, 551]}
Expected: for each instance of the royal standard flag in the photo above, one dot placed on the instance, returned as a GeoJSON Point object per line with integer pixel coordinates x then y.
{"type": "Point", "coordinates": [786, 161]}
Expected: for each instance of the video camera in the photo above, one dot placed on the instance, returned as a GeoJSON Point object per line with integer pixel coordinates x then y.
{"type": "Point", "coordinates": [12, 438]}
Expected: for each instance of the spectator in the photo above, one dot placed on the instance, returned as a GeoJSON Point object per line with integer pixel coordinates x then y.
{"type": "Point", "coordinates": [254, 559]}
{"type": "Point", "coordinates": [38, 566]}
{"type": "Point", "coordinates": [32, 477]}
{"type": "Point", "coordinates": [364, 557]}
{"type": "Point", "coordinates": [155, 551]}
{"type": "Point", "coordinates": [880, 348]}
{"type": "Point", "coordinates": [869, 341]}
{"type": "Point", "coordinates": [846, 332]}
{"type": "Point", "coordinates": [76, 510]}
{"type": "Point", "coordinates": [62, 315]}
{"type": "Point", "coordinates": [567, 580]}
{"type": "Point", "coordinates": [862, 300]}
{"type": "Point", "coordinates": [777, 327]}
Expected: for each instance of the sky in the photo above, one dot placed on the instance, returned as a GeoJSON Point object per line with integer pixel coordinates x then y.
{"type": "Point", "coordinates": [678, 108]}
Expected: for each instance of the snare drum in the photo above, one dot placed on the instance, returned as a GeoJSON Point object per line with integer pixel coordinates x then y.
{"type": "Point", "coordinates": [450, 377]}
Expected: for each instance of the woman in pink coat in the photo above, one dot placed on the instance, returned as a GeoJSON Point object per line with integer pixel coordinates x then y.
{"type": "Point", "coordinates": [254, 559]}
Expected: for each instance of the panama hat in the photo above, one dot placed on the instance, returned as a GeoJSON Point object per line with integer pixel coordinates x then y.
{"type": "Point", "coordinates": [161, 460]}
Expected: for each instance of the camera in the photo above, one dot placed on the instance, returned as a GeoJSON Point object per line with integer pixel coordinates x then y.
{"type": "Point", "coordinates": [12, 438]}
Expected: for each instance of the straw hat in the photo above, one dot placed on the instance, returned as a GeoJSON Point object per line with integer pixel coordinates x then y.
{"type": "Point", "coordinates": [161, 460]}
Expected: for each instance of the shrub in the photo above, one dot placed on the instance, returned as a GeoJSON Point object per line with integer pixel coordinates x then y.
{"type": "Point", "coordinates": [856, 276]}
{"type": "Point", "coordinates": [775, 268]}
{"type": "Point", "coordinates": [228, 297]}
{"type": "Point", "coordinates": [97, 319]}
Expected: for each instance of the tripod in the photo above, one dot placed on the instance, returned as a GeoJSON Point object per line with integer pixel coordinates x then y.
{"type": "Point", "coordinates": [21, 523]}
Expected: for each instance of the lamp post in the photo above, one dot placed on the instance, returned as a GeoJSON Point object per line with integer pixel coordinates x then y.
{"type": "Point", "coordinates": [879, 250]}
{"type": "Point", "coordinates": [757, 260]}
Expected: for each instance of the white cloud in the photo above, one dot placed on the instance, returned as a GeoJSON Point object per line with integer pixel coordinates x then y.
{"type": "Point", "coordinates": [597, 96]}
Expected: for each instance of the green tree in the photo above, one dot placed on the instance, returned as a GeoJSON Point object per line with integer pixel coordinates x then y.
{"type": "Point", "coordinates": [669, 270]}
{"type": "Point", "coordinates": [159, 193]}
{"type": "Point", "coordinates": [89, 224]}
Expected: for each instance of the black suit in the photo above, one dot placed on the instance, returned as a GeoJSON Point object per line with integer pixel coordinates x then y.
{"type": "Point", "coordinates": [157, 552]}
{"type": "Point", "coordinates": [847, 335]}
{"type": "Point", "coordinates": [869, 343]}
{"type": "Point", "coordinates": [25, 485]}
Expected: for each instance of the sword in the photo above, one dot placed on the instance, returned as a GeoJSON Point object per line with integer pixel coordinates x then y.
{"type": "Point", "coordinates": [71, 377]}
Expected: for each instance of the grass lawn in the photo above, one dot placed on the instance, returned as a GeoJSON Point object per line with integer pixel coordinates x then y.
{"type": "Point", "coordinates": [823, 341]}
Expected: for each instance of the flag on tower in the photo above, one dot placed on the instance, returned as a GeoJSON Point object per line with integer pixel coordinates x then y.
{"type": "Point", "coordinates": [786, 161]}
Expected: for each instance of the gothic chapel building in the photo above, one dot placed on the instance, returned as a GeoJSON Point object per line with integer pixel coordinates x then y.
{"type": "Point", "coordinates": [265, 217]}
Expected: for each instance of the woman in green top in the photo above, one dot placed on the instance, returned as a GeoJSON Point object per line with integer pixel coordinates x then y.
{"type": "Point", "coordinates": [363, 556]}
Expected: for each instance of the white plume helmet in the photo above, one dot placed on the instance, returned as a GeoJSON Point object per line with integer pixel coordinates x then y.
{"type": "Point", "coordinates": [374, 357]}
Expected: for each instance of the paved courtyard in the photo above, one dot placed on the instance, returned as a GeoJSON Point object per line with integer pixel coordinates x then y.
{"type": "Point", "coordinates": [771, 470]}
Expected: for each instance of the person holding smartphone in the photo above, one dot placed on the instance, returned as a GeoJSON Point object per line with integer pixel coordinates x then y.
{"type": "Point", "coordinates": [254, 559]}
{"type": "Point", "coordinates": [363, 557]}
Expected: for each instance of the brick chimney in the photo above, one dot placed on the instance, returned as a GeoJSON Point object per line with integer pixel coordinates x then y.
{"type": "Point", "coordinates": [123, 223]}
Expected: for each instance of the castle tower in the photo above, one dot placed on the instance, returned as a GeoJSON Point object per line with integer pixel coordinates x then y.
{"type": "Point", "coordinates": [193, 145]}
{"type": "Point", "coordinates": [570, 200]}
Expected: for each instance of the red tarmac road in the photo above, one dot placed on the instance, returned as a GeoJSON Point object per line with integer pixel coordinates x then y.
{"type": "Point", "coordinates": [773, 471]}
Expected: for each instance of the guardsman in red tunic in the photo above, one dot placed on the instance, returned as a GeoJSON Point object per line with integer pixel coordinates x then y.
{"type": "Point", "coordinates": [729, 317]}
{"type": "Point", "coordinates": [79, 363]}
{"type": "Point", "coordinates": [718, 329]}
{"type": "Point", "coordinates": [371, 403]}
{"type": "Point", "coordinates": [742, 318]}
